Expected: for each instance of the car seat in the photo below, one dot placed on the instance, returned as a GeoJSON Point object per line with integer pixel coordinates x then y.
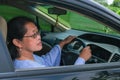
{"type": "Point", "coordinates": [3, 27]}
{"type": "Point", "coordinates": [4, 53]}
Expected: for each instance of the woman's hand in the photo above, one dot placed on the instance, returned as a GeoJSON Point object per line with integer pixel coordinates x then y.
{"type": "Point", "coordinates": [86, 53]}
{"type": "Point", "coordinates": [66, 41]}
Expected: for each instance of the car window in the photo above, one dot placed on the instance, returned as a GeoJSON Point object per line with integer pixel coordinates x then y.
{"type": "Point", "coordinates": [55, 24]}
{"type": "Point", "coordinates": [79, 22]}
{"type": "Point", "coordinates": [75, 23]}
{"type": "Point", "coordinates": [13, 12]}
{"type": "Point", "coordinates": [71, 19]}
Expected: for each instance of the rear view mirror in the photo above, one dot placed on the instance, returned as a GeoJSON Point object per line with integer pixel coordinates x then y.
{"type": "Point", "coordinates": [56, 11]}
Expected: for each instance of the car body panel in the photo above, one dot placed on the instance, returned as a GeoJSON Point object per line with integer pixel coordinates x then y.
{"type": "Point", "coordinates": [63, 73]}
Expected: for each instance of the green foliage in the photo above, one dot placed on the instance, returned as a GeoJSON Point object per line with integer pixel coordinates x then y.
{"type": "Point", "coordinates": [118, 12]}
{"type": "Point", "coordinates": [116, 3]}
{"type": "Point", "coordinates": [103, 2]}
{"type": "Point", "coordinates": [113, 8]}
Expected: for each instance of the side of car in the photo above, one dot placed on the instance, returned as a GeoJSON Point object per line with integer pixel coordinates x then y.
{"type": "Point", "coordinates": [106, 71]}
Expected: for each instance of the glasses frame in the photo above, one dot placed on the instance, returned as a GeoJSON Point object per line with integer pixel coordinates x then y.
{"type": "Point", "coordinates": [34, 35]}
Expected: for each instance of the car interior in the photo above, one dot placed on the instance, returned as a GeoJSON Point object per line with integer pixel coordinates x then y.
{"type": "Point", "coordinates": [105, 48]}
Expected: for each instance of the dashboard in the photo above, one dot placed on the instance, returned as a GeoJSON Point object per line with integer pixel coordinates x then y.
{"type": "Point", "coordinates": [104, 48]}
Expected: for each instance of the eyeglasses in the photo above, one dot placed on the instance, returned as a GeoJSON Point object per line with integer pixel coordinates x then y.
{"type": "Point", "coordinates": [34, 35]}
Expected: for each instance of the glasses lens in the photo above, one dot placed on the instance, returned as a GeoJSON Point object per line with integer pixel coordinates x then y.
{"type": "Point", "coordinates": [36, 34]}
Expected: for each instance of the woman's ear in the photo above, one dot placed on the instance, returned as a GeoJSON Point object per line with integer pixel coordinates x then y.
{"type": "Point", "coordinates": [17, 43]}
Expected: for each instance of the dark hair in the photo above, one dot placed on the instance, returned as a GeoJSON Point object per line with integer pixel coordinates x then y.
{"type": "Point", "coordinates": [16, 30]}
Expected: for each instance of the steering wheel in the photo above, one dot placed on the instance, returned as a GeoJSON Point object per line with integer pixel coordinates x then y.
{"type": "Point", "coordinates": [71, 51]}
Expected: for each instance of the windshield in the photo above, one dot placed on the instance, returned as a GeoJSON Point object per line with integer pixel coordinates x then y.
{"type": "Point", "coordinates": [76, 21]}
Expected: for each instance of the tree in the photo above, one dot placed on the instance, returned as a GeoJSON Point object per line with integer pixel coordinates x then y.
{"type": "Point", "coordinates": [116, 3]}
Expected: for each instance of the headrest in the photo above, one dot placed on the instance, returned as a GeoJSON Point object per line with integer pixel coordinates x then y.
{"type": "Point", "coordinates": [3, 27]}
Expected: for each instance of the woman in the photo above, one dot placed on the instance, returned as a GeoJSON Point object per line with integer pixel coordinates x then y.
{"type": "Point", "coordinates": [24, 39]}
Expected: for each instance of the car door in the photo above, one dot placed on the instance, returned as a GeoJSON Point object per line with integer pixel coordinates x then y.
{"type": "Point", "coordinates": [87, 72]}
{"type": "Point", "coordinates": [96, 71]}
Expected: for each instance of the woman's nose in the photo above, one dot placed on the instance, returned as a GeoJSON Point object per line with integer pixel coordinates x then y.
{"type": "Point", "coordinates": [39, 36]}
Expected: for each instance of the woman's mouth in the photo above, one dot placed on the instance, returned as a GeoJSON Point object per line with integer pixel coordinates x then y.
{"type": "Point", "coordinates": [40, 44]}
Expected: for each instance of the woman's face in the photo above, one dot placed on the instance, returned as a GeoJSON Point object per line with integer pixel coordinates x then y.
{"type": "Point", "coordinates": [32, 39]}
